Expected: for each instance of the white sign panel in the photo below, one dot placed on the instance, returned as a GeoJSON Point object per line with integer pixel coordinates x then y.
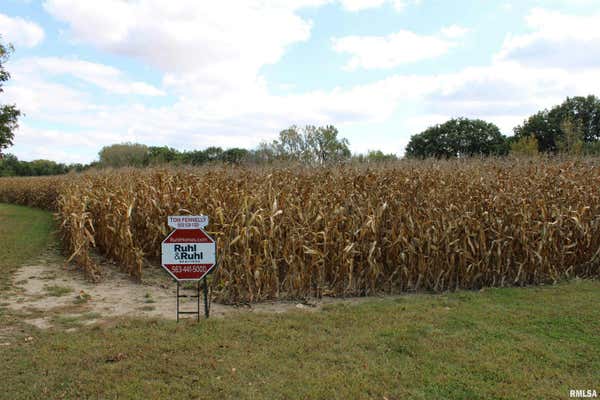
{"type": "Point", "coordinates": [188, 221]}
{"type": "Point", "coordinates": [190, 253]}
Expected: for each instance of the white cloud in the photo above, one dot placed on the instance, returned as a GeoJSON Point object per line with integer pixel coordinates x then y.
{"type": "Point", "coordinates": [559, 40]}
{"type": "Point", "coordinates": [184, 36]}
{"type": "Point", "coordinates": [204, 51]}
{"type": "Point", "coordinates": [403, 47]}
{"type": "Point", "coordinates": [106, 77]}
{"type": "Point", "coordinates": [59, 145]}
{"type": "Point", "coordinates": [360, 5]}
{"type": "Point", "coordinates": [20, 32]}
{"type": "Point", "coordinates": [399, 5]}
{"type": "Point", "coordinates": [455, 31]}
{"type": "Point", "coordinates": [219, 46]}
{"type": "Point", "coordinates": [41, 99]}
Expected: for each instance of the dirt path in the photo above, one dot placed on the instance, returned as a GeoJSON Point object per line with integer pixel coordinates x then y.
{"type": "Point", "coordinates": [49, 295]}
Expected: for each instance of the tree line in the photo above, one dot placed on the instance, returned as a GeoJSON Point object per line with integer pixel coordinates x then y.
{"type": "Point", "coordinates": [308, 145]}
{"type": "Point", "coordinates": [572, 127]}
{"type": "Point", "coordinates": [10, 165]}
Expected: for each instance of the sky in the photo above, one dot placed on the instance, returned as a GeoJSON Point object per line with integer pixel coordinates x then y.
{"type": "Point", "coordinates": [192, 74]}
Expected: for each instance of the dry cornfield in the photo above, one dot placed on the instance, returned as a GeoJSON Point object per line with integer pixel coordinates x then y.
{"type": "Point", "coordinates": [295, 232]}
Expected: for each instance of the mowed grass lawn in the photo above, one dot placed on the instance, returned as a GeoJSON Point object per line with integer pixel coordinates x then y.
{"type": "Point", "coordinates": [24, 233]}
{"type": "Point", "coordinates": [518, 343]}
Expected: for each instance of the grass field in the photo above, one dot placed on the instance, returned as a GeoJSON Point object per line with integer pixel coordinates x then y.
{"type": "Point", "coordinates": [24, 233]}
{"type": "Point", "coordinates": [517, 343]}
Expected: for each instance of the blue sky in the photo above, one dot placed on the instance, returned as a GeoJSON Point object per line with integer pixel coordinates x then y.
{"type": "Point", "coordinates": [191, 74]}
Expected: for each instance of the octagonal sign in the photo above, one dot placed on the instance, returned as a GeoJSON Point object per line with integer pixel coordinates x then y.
{"type": "Point", "coordinates": [189, 254]}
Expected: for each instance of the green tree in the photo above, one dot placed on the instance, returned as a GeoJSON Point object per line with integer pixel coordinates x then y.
{"type": "Point", "coordinates": [162, 155]}
{"type": "Point", "coordinates": [46, 167]}
{"type": "Point", "coordinates": [213, 154]}
{"type": "Point", "coordinates": [9, 165]}
{"type": "Point", "coordinates": [540, 127]}
{"type": "Point", "coordinates": [194, 157]}
{"type": "Point", "coordinates": [124, 155]}
{"type": "Point", "coordinates": [292, 144]}
{"type": "Point", "coordinates": [571, 141]}
{"type": "Point", "coordinates": [524, 146]}
{"type": "Point", "coordinates": [592, 148]}
{"type": "Point", "coordinates": [235, 155]}
{"type": "Point", "coordinates": [9, 114]}
{"type": "Point", "coordinates": [264, 153]}
{"type": "Point", "coordinates": [456, 138]}
{"type": "Point", "coordinates": [375, 156]}
{"type": "Point", "coordinates": [310, 144]}
{"type": "Point", "coordinates": [78, 167]}
{"type": "Point", "coordinates": [584, 112]}
{"type": "Point", "coordinates": [325, 146]}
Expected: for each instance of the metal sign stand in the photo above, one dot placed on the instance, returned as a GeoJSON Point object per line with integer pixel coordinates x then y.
{"type": "Point", "coordinates": [196, 296]}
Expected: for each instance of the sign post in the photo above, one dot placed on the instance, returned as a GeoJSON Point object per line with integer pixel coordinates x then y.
{"type": "Point", "coordinates": [189, 254]}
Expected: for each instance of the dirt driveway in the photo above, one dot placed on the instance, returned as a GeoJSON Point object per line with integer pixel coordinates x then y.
{"type": "Point", "coordinates": [48, 294]}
